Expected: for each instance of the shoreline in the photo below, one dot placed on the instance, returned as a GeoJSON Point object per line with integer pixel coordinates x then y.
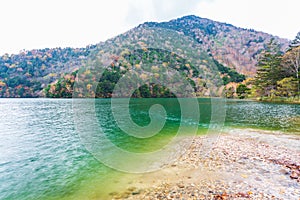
{"type": "Point", "coordinates": [278, 100]}
{"type": "Point", "coordinates": [243, 164]}
{"type": "Point", "coordinates": [275, 101]}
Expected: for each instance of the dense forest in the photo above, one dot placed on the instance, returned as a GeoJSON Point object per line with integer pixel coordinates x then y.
{"type": "Point", "coordinates": [154, 62]}
{"type": "Point", "coordinates": [278, 72]}
{"type": "Point", "coordinates": [26, 74]}
{"type": "Point", "coordinates": [234, 47]}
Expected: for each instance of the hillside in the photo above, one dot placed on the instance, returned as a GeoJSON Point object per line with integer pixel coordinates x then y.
{"type": "Point", "coordinates": [237, 48]}
{"type": "Point", "coordinates": [226, 52]}
{"type": "Point", "coordinates": [26, 74]}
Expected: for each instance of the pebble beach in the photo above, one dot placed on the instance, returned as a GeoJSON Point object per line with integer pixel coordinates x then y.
{"type": "Point", "coordinates": [240, 164]}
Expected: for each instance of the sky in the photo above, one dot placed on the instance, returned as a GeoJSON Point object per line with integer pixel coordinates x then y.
{"type": "Point", "coordinates": [36, 24]}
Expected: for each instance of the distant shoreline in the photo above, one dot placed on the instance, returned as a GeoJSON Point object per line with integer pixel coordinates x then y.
{"type": "Point", "coordinates": [284, 101]}
{"type": "Point", "coordinates": [279, 100]}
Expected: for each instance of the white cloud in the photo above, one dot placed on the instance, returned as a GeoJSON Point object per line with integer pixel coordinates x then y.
{"type": "Point", "coordinates": [139, 12]}
{"type": "Point", "coordinates": [166, 9]}
{"type": "Point", "coordinates": [159, 10]}
{"type": "Point", "coordinates": [277, 17]}
{"type": "Point", "coordinates": [51, 23]}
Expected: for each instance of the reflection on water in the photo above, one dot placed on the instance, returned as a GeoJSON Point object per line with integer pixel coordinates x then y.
{"type": "Point", "coordinates": [42, 156]}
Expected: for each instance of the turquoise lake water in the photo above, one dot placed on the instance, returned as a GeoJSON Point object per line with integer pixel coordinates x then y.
{"type": "Point", "coordinates": [42, 155]}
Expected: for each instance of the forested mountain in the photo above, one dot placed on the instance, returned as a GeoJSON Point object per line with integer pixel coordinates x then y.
{"type": "Point", "coordinates": [227, 52]}
{"type": "Point", "coordinates": [26, 74]}
{"type": "Point", "coordinates": [237, 48]}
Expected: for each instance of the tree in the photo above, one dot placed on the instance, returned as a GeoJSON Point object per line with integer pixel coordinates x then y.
{"type": "Point", "coordinates": [229, 93]}
{"type": "Point", "coordinates": [287, 87]}
{"type": "Point", "coordinates": [269, 70]}
{"type": "Point", "coordinates": [144, 91]}
{"type": "Point", "coordinates": [296, 41]}
{"type": "Point", "coordinates": [291, 60]}
{"type": "Point", "coordinates": [242, 91]}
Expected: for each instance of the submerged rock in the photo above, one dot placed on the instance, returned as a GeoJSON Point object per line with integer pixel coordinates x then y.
{"type": "Point", "coordinates": [294, 175]}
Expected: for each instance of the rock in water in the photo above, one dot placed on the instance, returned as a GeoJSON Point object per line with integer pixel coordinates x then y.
{"type": "Point", "coordinates": [294, 175]}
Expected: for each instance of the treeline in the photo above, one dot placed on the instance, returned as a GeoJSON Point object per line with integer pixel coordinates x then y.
{"type": "Point", "coordinates": [26, 74]}
{"type": "Point", "coordinates": [148, 65]}
{"type": "Point", "coordinates": [64, 87]}
{"type": "Point", "coordinates": [278, 72]}
{"type": "Point", "coordinates": [229, 75]}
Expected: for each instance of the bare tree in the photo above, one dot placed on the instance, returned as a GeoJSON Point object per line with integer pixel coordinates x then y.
{"type": "Point", "coordinates": [292, 60]}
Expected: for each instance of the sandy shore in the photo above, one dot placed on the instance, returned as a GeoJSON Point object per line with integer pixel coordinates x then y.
{"type": "Point", "coordinates": [242, 164]}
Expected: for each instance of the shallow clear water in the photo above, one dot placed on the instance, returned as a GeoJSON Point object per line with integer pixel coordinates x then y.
{"type": "Point", "coordinates": [42, 156]}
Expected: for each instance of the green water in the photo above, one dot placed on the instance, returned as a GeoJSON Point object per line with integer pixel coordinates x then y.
{"type": "Point", "coordinates": [44, 157]}
{"type": "Point", "coordinates": [269, 116]}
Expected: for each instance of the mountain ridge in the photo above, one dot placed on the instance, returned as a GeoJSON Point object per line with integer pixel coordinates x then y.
{"type": "Point", "coordinates": [221, 40]}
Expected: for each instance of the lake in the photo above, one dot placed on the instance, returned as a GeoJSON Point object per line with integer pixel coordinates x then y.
{"type": "Point", "coordinates": [49, 146]}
